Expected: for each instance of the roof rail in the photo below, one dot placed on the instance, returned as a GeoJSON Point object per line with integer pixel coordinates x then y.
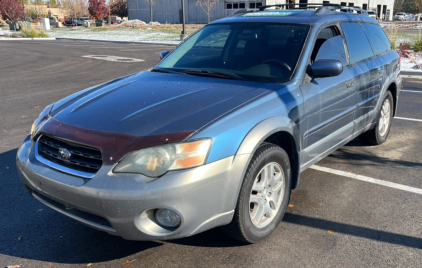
{"type": "Point", "coordinates": [320, 8]}
{"type": "Point", "coordinates": [243, 11]}
{"type": "Point", "coordinates": [351, 9]}
{"type": "Point", "coordinates": [299, 6]}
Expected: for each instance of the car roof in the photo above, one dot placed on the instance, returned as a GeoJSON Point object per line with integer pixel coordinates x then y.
{"type": "Point", "coordinates": [297, 16]}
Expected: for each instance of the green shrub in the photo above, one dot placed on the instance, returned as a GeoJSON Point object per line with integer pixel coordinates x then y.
{"type": "Point", "coordinates": [42, 33]}
{"type": "Point", "coordinates": [417, 46]}
{"type": "Point", "coordinates": [33, 33]}
{"type": "Point", "coordinates": [15, 35]}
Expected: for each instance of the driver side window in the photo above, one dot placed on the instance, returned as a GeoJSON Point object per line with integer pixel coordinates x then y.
{"type": "Point", "coordinates": [333, 49]}
{"type": "Point", "coordinates": [329, 46]}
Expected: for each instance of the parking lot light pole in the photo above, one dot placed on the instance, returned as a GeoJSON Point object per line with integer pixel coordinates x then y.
{"type": "Point", "coordinates": [183, 35]}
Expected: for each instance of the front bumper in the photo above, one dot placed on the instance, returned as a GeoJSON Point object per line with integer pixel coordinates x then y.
{"type": "Point", "coordinates": [123, 204]}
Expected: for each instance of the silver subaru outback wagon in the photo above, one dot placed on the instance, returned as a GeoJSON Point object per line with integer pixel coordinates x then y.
{"type": "Point", "coordinates": [218, 132]}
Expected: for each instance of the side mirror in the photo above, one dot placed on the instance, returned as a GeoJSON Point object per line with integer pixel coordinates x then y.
{"type": "Point", "coordinates": [163, 54]}
{"type": "Point", "coordinates": [326, 68]}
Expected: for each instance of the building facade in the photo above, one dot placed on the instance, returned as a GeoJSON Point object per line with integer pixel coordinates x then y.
{"type": "Point", "coordinates": [170, 11]}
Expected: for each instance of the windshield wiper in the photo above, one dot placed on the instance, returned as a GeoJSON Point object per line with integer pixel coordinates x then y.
{"type": "Point", "coordinates": [165, 71]}
{"type": "Point", "coordinates": [223, 75]}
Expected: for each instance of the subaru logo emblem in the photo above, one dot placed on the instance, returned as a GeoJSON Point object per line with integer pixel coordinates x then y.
{"type": "Point", "coordinates": [65, 153]}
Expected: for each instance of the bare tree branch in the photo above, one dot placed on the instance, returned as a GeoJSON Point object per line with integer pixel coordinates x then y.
{"type": "Point", "coordinates": [207, 6]}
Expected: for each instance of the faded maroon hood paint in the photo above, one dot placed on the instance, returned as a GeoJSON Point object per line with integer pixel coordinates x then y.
{"type": "Point", "coordinates": [149, 103]}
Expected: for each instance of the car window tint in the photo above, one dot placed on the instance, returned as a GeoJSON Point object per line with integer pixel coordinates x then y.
{"type": "Point", "coordinates": [216, 39]}
{"type": "Point", "coordinates": [357, 42]}
{"type": "Point", "coordinates": [333, 49]}
{"type": "Point", "coordinates": [379, 41]}
{"type": "Point", "coordinates": [250, 51]}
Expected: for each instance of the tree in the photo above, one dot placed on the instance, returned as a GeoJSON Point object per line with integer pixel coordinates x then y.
{"type": "Point", "coordinates": [98, 9]}
{"type": "Point", "coordinates": [151, 3]}
{"type": "Point", "coordinates": [207, 6]}
{"type": "Point", "coordinates": [75, 8]}
{"type": "Point", "coordinates": [12, 10]}
{"type": "Point", "coordinates": [54, 3]}
{"type": "Point", "coordinates": [119, 8]}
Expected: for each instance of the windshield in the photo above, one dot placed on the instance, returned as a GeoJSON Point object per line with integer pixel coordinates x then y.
{"type": "Point", "coordinates": [371, 12]}
{"type": "Point", "coordinates": [261, 52]}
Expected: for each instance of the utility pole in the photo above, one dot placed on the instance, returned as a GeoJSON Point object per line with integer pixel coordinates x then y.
{"type": "Point", "coordinates": [183, 35]}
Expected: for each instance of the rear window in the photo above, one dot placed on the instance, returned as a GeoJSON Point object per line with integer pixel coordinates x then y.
{"type": "Point", "coordinates": [357, 42]}
{"type": "Point", "coordinates": [379, 41]}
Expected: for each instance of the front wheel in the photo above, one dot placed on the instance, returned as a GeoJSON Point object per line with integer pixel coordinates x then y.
{"type": "Point", "coordinates": [264, 195]}
{"type": "Point", "coordinates": [379, 133]}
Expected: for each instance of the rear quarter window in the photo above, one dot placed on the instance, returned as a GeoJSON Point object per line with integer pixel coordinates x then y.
{"type": "Point", "coordinates": [379, 41]}
{"type": "Point", "coordinates": [357, 42]}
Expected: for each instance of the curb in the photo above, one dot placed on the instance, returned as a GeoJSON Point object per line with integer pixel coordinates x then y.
{"type": "Point", "coordinates": [120, 42]}
{"type": "Point", "coordinates": [28, 39]}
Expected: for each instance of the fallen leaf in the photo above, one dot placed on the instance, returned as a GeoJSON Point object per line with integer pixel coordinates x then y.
{"type": "Point", "coordinates": [330, 232]}
{"type": "Point", "coordinates": [14, 266]}
{"type": "Point", "coordinates": [127, 262]}
{"type": "Point", "coordinates": [290, 206]}
{"type": "Point", "coordinates": [4, 131]}
{"type": "Point", "coordinates": [89, 264]}
{"type": "Point", "coordinates": [24, 116]}
{"type": "Point", "coordinates": [36, 107]}
{"type": "Point", "coordinates": [20, 238]}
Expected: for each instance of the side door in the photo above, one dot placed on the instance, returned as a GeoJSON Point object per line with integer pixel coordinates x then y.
{"type": "Point", "coordinates": [329, 102]}
{"type": "Point", "coordinates": [369, 73]}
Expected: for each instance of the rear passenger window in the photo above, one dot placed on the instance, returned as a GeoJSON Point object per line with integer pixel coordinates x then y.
{"type": "Point", "coordinates": [357, 42]}
{"type": "Point", "coordinates": [379, 41]}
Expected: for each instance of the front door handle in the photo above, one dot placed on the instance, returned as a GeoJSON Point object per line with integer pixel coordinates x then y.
{"type": "Point", "coordinates": [350, 83]}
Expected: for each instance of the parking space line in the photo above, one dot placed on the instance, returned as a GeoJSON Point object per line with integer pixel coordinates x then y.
{"type": "Point", "coordinates": [369, 179]}
{"type": "Point", "coordinates": [411, 76]}
{"type": "Point", "coordinates": [408, 119]}
{"type": "Point", "coordinates": [412, 91]}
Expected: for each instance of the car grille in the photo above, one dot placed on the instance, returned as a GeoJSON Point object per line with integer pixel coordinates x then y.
{"type": "Point", "coordinates": [81, 158]}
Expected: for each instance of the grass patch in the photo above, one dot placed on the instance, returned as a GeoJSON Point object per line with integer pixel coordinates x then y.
{"type": "Point", "coordinates": [98, 29]}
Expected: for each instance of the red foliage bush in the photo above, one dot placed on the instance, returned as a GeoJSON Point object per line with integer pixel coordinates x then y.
{"type": "Point", "coordinates": [12, 10]}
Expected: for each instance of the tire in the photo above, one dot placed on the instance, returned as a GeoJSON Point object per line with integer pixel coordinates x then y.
{"type": "Point", "coordinates": [254, 221]}
{"type": "Point", "coordinates": [379, 133]}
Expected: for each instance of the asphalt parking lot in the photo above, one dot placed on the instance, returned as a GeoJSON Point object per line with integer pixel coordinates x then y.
{"type": "Point", "coordinates": [359, 207]}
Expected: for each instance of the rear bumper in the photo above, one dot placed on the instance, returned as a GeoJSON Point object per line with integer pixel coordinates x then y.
{"type": "Point", "coordinates": [124, 204]}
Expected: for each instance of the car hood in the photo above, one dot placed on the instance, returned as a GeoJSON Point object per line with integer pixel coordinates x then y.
{"type": "Point", "coordinates": [150, 103]}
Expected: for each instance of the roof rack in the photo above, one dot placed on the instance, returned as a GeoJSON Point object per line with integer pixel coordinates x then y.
{"type": "Point", "coordinates": [298, 6]}
{"type": "Point", "coordinates": [320, 8]}
{"type": "Point", "coordinates": [243, 11]}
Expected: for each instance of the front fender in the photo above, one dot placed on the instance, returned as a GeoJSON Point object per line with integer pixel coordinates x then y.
{"type": "Point", "coordinates": [266, 128]}
{"type": "Point", "coordinates": [258, 134]}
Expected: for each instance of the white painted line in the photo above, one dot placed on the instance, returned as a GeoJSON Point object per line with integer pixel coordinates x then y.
{"type": "Point", "coordinates": [412, 76]}
{"type": "Point", "coordinates": [408, 119]}
{"type": "Point", "coordinates": [412, 91]}
{"type": "Point", "coordinates": [369, 179]}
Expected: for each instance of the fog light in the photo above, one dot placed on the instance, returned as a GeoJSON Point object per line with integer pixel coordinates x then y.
{"type": "Point", "coordinates": [167, 218]}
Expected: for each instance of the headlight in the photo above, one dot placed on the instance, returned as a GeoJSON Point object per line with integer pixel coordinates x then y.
{"type": "Point", "coordinates": [156, 161]}
{"type": "Point", "coordinates": [42, 118]}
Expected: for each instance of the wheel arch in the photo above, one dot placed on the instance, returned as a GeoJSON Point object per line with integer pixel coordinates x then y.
{"type": "Point", "coordinates": [278, 130]}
